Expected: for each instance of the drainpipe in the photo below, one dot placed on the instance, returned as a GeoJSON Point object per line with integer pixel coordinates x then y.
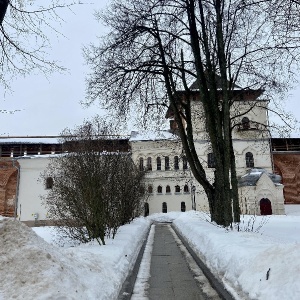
{"type": "Point", "coordinates": [17, 187]}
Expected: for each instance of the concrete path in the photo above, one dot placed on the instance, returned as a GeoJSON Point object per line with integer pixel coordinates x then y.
{"type": "Point", "coordinates": [171, 277]}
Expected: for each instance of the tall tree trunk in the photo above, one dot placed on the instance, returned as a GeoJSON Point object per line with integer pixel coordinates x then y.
{"type": "Point", "coordinates": [3, 9]}
{"type": "Point", "coordinates": [234, 187]}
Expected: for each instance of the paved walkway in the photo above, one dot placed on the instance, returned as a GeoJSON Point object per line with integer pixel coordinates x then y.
{"type": "Point", "coordinates": [170, 276]}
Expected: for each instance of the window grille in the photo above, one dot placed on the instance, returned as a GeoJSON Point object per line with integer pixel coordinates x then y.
{"type": "Point", "coordinates": [176, 163]}
{"type": "Point", "coordinates": [167, 163]}
{"type": "Point", "coordinates": [158, 163]}
{"type": "Point", "coordinates": [249, 160]}
{"type": "Point", "coordinates": [149, 164]}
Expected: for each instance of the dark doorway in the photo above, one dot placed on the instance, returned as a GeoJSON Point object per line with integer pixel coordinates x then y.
{"type": "Point", "coordinates": [183, 206]}
{"type": "Point", "coordinates": [265, 207]}
{"type": "Point", "coordinates": [146, 209]}
{"type": "Point", "coordinates": [164, 207]}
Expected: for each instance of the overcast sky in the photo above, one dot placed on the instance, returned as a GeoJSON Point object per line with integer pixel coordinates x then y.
{"type": "Point", "coordinates": [47, 106]}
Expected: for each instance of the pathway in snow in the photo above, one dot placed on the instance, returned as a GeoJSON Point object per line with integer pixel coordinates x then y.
{"type": "Point", "coordinates": [173, 272]}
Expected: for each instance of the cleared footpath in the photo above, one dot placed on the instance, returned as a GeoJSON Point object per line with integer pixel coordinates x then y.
{"type": "Point", "coordinates": [175, 272]}
{"type": "Point", "coordinates": [170, 276]}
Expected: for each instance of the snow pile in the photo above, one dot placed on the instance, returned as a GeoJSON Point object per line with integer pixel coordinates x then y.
{"type": "Point", "coordinates": [30, 268]}
{"type": "Point", "coordinates": [165, 218]}
{"type": "Point", "coordinates": [255, 265]}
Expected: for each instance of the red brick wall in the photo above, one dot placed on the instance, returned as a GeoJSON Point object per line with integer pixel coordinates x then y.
{"type": "Point", "coordinates": [8, 186]}
{"type": "Point", "coordinates": [288, 166]}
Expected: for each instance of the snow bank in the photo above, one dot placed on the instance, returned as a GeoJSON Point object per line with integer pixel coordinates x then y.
{"type": "Point", "coordinates": [256, 266]}
{"type": "Point", "coordinates": [263, 265]}
{"type": "Point", "coordinates": [165, 217]}
{"type": "Point", "coordinates": [30, 268]}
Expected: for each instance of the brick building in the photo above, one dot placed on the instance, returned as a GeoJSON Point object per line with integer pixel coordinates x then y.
{"type": "Point", "coordinates": [286, 161]}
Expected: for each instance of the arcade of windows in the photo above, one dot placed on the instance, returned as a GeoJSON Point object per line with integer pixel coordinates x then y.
{"type": "Point", "coordinates": [165, 161]}
{"type": "Point", "coordinates": [177, 189]}
{"type": "Point", "coordinates": [210, 162]}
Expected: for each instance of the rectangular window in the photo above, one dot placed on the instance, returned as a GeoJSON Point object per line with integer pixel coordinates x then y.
{"type": "Point", "coordinates": [149, 164]}
{"type": "Point", "coordinates": [176, 163]}
{"type": "Point", "coordinates": [167, 163]}
{"type": "Point", "coordinates": [185, 163]}
{"type": "Point", "coordinates": [49, 183]}
{"type": "Point", "coordinates": [141, 164]}
{"type": "Point", "coordinates": [158, 163]}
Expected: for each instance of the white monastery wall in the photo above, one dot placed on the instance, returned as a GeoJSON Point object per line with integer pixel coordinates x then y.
{"type": "Point", "coordinates": [31, 187]}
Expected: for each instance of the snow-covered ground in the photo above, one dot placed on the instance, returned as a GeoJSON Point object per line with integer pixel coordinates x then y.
{"type": "Point", "coordinates": [262, 261]}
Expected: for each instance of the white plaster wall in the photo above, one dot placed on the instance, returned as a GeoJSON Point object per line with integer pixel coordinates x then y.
{"type": "Point", "coordinates": [173, 201]}
{"type": "Point", "coordinates": [31, 187]}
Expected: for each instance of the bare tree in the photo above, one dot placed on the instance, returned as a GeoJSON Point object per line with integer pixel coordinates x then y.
{"type": "Point", "coordinates": [156, 49]}
{"type": "Point", "coordinates": [24, 41]}
{"type": "Point", "coordinates": [96, 188]}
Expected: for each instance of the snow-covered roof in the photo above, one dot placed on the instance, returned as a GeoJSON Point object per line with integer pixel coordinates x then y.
{"type": "Point", "coordinates": [253, 175]}
{"type": "Point", "coordinates": [152, 136]}
{"type": "Point", "coordinates": [29, 139]}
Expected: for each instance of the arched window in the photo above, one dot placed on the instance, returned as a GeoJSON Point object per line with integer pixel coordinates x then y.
{"type": "Point", "coordinates": [141, 166]}
{"type": "Point", "coordinates": [159, 189]}
{"type": "Point", "coordinates": [150, 189]}
{"type": "Point", "coordinates": [249, 160]}
{"type": "Point", "coordinates": [177, 189]}
{"type": "Point", "coordinates": [211, 160]}
{"type": "Point", "coordinates": [183, 208]}
{"type": "Point", "coordinates": [245, 123]}
{"type": "Point", "coordinates": [49, 183]}
{"type": "Point", "coordinates": [167, 163]}
{"type": "Point", "coordinates": [168, 189]}
{"type": "Point", "coordinates": [185, 163]}
{"type": "Point", "coordinates": [164, 207]}
{"type": "Point", "coordinates": [149, 164]}
{"type": "Point", "coordinates": [158, 163]}
{"type": "Point", "coordinates": [176, 163]}
{"type": "Point", "coordinates": [186, 189]}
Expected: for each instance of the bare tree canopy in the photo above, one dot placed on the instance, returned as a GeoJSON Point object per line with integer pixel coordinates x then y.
{"type": "Point", "coordinates": [93, 188]}
{"type": "Point", "coordinates": [156, 49]}
{"type": "Point", "coordinates": [24, 41]}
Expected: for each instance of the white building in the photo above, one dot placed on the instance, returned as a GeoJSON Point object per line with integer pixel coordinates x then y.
{"type": "Point", "coordinates": [171, 185]}
{"type": "Point", "coordinates": [31, 188]}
